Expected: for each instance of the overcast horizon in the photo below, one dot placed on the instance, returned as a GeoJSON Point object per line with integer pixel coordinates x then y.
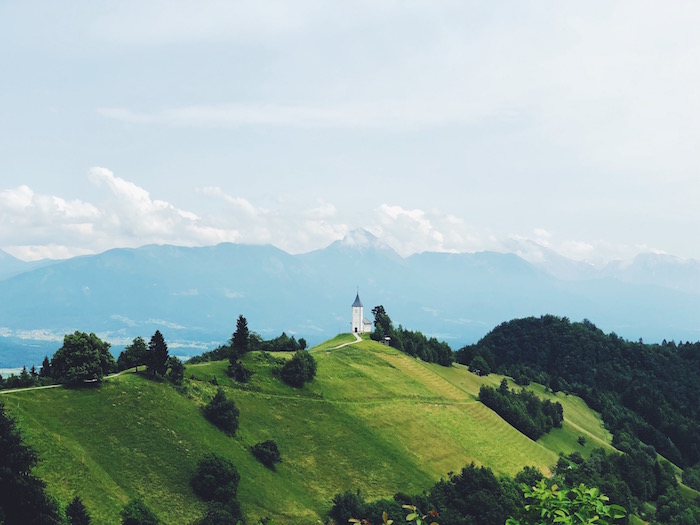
{"type": "Point", "coordinates": [436, 126]}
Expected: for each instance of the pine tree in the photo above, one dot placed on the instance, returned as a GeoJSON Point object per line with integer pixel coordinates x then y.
{"type": "Point", "coordinates": [241, 337]}
{"type": "Point", "coordinates": [157, 356]}
{"type": "Point", "coordinates": [45, 370]}
{"type": "Point", "coordinates": [76, 512]}
{"type": "Point", "coordinates": [22, 496]}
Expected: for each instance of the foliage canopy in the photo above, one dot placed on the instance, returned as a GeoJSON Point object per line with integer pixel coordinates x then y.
{"type": "Point", "coordinates": [83, 357]}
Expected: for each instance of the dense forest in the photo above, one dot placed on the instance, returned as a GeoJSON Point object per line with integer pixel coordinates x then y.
{"type": "Point", "coordinates": [476, 496]}
{"type": "Point", "coordinates": [646, 392]}
{"type": "Point", "coordinates": [523, 409]}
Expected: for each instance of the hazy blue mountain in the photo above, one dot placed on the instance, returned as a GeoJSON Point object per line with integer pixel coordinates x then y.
{"type": "Point", "coordinates": [194, 295]}
{"type": "Point", "coordinates": [10, 266]}
{"type": "Point", "coordinates": [658, 269]}
{"type": "Point", "coordinates": [552, 262]}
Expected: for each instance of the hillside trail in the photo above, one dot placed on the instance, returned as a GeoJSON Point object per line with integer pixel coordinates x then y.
{"type": "Point", "coordinates": [25, 389]}
{"type": "Point", "coordinates": [358, 339]}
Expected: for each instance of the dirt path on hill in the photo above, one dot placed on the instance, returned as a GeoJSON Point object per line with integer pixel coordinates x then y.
{"type": "Point", "coordinates": [25, 389]}
{"type": "Point", "coordinates": [358, 339]}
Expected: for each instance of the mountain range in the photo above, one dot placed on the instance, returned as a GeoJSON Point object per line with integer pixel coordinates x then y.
{"type": "Point", "coordinates": [193, 295]}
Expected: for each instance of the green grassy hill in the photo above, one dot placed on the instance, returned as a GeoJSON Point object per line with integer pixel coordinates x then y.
{"type": "Point", "coordinates": [373, 419]}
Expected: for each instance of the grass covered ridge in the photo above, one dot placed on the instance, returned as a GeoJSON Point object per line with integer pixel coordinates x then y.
{"type": "Point", "coordinates": [373, 419]}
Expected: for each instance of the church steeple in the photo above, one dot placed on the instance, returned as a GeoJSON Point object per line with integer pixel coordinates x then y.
{"type": "Point", "coordinates": [358, 315]}
{"type": "Point", "coordinates": [357, 299]}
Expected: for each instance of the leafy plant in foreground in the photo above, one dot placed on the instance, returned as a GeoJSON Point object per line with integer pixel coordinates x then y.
{"type": "Point", "coordinates": [580, 505]}
{"type": "Point", "coordinates": [414, 515]}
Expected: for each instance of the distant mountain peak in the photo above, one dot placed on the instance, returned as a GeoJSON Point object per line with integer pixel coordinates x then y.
{"type": "Point", "coordinates": [6, 256]}
{"type": "Point", "coordinates": [360, 238]}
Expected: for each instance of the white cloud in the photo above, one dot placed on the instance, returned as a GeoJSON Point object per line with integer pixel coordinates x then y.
{"type": "Point", "coordinates": [577, 250]}
{"type": "Point", "coordinates": [239, 203]}
{"type": "Point", "coordinates": [35, 226]}
{"type": "Point", "coordinates": [410, 231]}
{"type": "Point", "coordinates": [324, 210]}
{"type": "Point", "coordinates": [541, 233]}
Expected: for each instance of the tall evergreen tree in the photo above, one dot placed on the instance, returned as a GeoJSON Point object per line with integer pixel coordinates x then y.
{"type": "Point", "coordinates": [157, 355]}
{"type": "Point", "coordinates": [22, 496]}
{"type": "Point", "coordinates": [45, 370]}
{"type": "Point", "coordinates": [241, 337]}
{"type": "Point", "coordinates": [76, 512]}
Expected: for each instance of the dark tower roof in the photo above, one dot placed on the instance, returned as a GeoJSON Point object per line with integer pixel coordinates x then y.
{"type": "Point", "coordinates": [357, 301]}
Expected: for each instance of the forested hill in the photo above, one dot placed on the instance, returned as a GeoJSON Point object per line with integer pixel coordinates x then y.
{"type": "Point", "coordinates": [645, 391]}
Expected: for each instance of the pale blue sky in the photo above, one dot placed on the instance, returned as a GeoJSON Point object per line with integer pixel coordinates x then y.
{"type": "Point", "coordinates": [436, 125]}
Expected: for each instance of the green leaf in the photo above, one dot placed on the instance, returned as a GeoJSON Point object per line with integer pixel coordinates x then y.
{"type": "Point", "coordinates": [617, 511]}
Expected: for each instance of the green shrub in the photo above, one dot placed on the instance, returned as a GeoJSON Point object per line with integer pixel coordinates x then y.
{"type": "Point", "coordinates": [300, 369]}
{"type": "Point", "coordinates": [136, 512]}
{"type": "Point", "coordinates": [267, 453]}
{"type": "Point", "coordinates": [238, 372]}
{"type": "Point", "coordinates": [220, 514]}
{"type": "Point", "coordinates": [479, 366]}
{"type": "Point", "coordinates": [222, 412]}
{"type": "Point", "coordinates": [216, 479]}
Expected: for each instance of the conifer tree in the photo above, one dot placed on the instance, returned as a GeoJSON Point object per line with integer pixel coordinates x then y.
{"type": "Point", "coordinates": [22, 496]}
{"type": "Point", "coordinates": [45, 370]}
{"type": "Point", "coordinates": [76, 512]}
{"type": "Point", "coordinates": [241, 337]}
{"type": "Point", "coordinates": [157, 356]}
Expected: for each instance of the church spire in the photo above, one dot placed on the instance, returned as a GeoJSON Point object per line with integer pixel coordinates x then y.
{"type": "Point", "coordinates": [357, 299]}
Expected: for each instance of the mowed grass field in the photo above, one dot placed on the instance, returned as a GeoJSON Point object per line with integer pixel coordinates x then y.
{"type": "Point", "coordinates": [373, 419]}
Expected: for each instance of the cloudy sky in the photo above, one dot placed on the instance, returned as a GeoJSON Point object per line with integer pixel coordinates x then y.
{"type": "Point", "coordinates": [436, 125]}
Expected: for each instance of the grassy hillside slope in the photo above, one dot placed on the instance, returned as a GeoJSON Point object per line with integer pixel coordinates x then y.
{"type": "Point", "coordinates": [373, 419]}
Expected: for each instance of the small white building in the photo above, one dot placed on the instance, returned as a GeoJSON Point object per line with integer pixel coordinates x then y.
{"type": "Point", "coordinates": [360, 324]}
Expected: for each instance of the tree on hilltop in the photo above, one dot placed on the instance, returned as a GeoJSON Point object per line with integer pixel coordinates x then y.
{"type": "Point", "coordinates": [176, 370]}
{"type": "Point", "coordinates": [83, 357]}
{"type": "Point", "coordinates": [383, 326]}
{"type": "Point", "coordinates": [241, 337]}
{"type": "Point", "coordinates": [45, 370]}
{"type": "Point", "coordinates": [157, 356]}
{"type": "Point", "coordinates": [133, 355]}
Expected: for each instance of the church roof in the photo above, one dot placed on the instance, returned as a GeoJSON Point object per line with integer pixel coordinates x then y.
{"type": "Point", "coordinates": [357, 301]}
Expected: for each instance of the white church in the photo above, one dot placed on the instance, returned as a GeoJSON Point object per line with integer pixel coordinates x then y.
{"type": "Point", "coordinates": [360, 324]}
